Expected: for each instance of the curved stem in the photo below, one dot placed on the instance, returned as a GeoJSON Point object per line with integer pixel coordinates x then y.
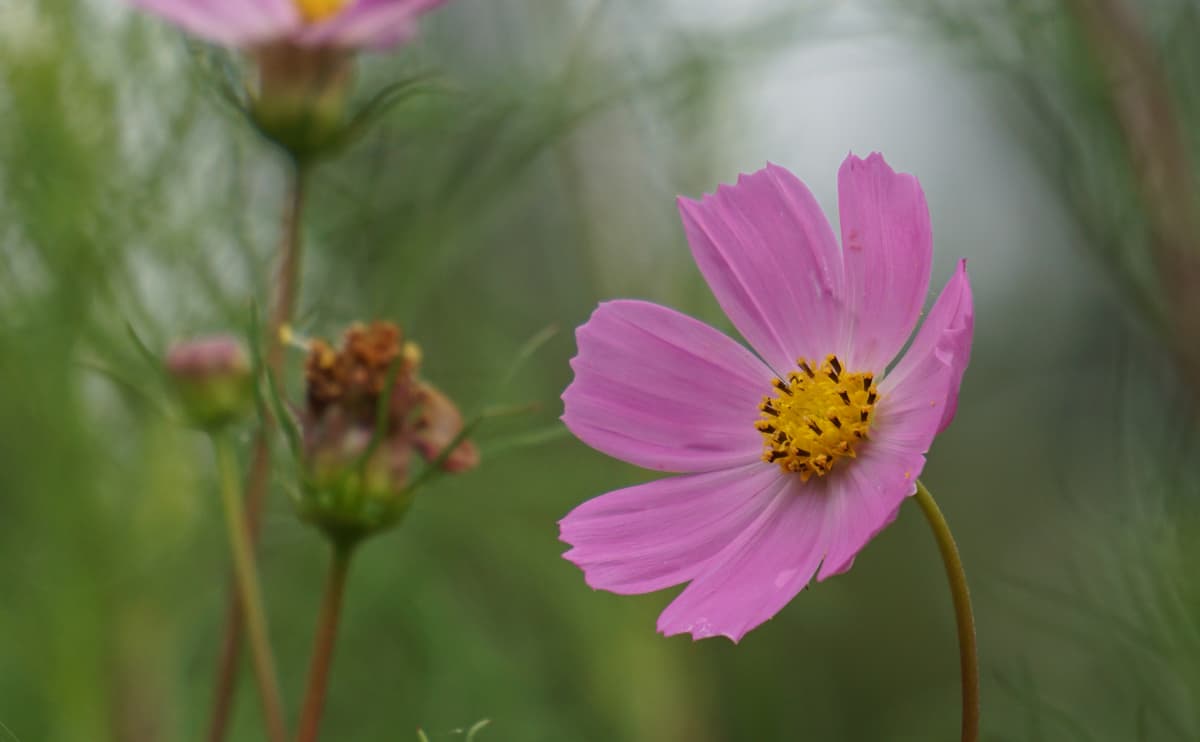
{"type": "Point", "coordinates": [287, 288]}
{"type": "Point", "coordinates": [249, 592]}
{"type": "Point", "coordinates": [322, 657]}
{"type": "Point", "coordinates": [967, 649]}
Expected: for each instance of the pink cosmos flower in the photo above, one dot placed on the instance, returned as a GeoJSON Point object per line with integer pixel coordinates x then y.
{"type": "Point", "coordinates": [791, 460]}
{"type": "Point", "coordinates": [325, 23]}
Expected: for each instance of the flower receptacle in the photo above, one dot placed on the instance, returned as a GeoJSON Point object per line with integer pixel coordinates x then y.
{"type": "Point", "coordinates": [299, 101]}
{"type": "Point", "coordinates": [349, 491]}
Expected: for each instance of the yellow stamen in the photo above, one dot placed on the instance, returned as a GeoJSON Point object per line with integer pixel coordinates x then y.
{"type": "Point", "coordinates": [318, 10]}
{"type": "Point", "coordinates": [816, 417]}
{"type": "Point", "coordinates": [412, 353]}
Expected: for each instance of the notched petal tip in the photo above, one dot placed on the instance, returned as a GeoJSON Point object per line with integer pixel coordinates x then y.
{"type": "Point", "coordinates": [698, 634]}
{"type": "Point", "coordinates": [876, 166]}
{"type": "Point", "coordinates": [685, 202]}
{"type": "Point", "coordinates": [873, 160]}
{"type": "Point", "coordinates": [769, 255]}
{"type": "Point", "coordinates": [770, 171]}
{"type": "Point", "coordinates": [749, 178]}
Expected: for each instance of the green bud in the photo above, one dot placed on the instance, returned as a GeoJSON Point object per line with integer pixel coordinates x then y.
{"type": "Point", "coordinates": [212, 379]}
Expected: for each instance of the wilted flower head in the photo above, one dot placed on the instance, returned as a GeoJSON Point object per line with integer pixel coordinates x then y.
{"type": "Point", "coordinates": [793, 459]}
{"type": "Point", "coordinates": [212, 378]}
{"type": "Point", "coordinates": [353, 487]}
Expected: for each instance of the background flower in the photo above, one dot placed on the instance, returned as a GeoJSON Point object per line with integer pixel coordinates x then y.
{"type": "Point", "coordinates": [339, 23]}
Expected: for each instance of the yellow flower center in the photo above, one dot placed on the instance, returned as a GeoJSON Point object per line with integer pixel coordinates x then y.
{"type": "Point", "coordinates": [318, 10]}
{"type": "Point", "coordinates": [816, 417]}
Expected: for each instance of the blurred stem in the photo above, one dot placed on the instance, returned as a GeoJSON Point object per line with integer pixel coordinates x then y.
{"type": "Point", "coordinates": [1154, 132]}
{"type": "Point", "coordinates": [326, 636]}
{"type": "Point", "coordinates": [287, 288]}
{"type": "Point", "coordinates": [246, 579]}
{"type": "Point", "coordinates": [967, 649]}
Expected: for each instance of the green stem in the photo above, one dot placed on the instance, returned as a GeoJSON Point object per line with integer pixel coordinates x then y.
{"type": "Point", "coordinates": [249, 593]}
{"type": "Point", "coordinates": [287, 288]}
{"type": "Point", "coordinates": [967, 649]}
{"type": "Point", "coordinates": [326, 636]}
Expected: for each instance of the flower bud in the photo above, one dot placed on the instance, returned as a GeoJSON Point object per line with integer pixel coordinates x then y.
{"type": "Point", "coordinates": [301, 95]}
{"type": "Point", "coordinates": [359, 460]}
{"type": "Point", "coordinates": [212, 379]}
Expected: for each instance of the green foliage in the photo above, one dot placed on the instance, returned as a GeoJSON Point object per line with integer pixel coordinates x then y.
{"type": "Point", "coordinates": [133, 194]}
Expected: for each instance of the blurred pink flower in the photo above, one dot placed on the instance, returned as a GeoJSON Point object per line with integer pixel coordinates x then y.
{"type": "Point", "coordinates": [791, 460]}
{"type": "Point", "coordinates": [348, 24]}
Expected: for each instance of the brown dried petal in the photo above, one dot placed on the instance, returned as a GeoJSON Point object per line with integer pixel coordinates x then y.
{"type": "Point", "coordinates": [354, 376]}
{"type": "Point", "coordinates": [437, 426]}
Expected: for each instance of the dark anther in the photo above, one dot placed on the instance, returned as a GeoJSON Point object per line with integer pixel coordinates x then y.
{"type": "Point", "coordinates": [845, 396]}
{"type": "Point", "coordinates": [812, 424]}
{"type": "Point", "coordinates": [837, 365]}
{"type": "Point", "coordinates": [782, 386]}
{"type": "Point", "coordinates": [807, 369]}
{"type": "Point", "coordinates": [836, 422]}
{"type": "Point", "coordinates": [862, 414]}
{"type": "Point", "coordinates": [871, 397]}
{"type": "Point", "coordinates": [774, 456]}
{"type": "Point", "coordinates": [867, 379]}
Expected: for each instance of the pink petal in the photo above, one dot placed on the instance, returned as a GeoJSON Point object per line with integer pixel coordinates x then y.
{"type": "Point", "coordinates": [944, 342]}
{"type": "Point", "coordinates": [771, 259]}
{"type": "Point", "coordinates": [887, 247]}
{"type": "Point", "coordinates": [917, 401]}
{"type": "Point", "coordinates": [232, 22]}
{"type": "Point", "coordinates": [655, 535]}
{"type": "Point", "coordinates": [762, 569]}
{"type": "Point", "coordinates": [802, 530]}
{"type": "Point", "coordinates": [864, 498]}
{"type": "Point", "coordinates": [378, 24]}
{"type": "Point", "coordinates": [664, 391]}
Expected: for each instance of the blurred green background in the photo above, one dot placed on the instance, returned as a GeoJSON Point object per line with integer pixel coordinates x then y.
{"type": "Point", "coordinates": [1053, 140]}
